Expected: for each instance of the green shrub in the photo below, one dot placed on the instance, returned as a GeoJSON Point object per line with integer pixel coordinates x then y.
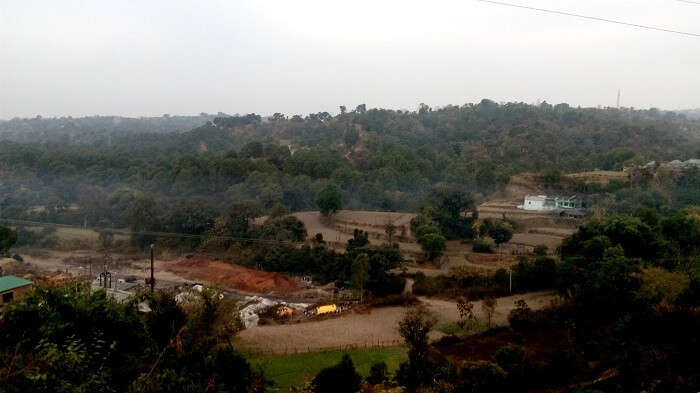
{"type": "Point", "coordinates": [511, 358]}
{"type": "Point", "coordinates": [378, 373]}
{"type": "Point", "coordinates": [481, 246]}
{"type": "Point", "coordinates": [426, 229]}
{"type": "Point", "coordinates": [539, 272]}
{"type": "Point", "coordinates": [480, 377]}
{"type": "Point", "coordinates": [341, 378]}
{"type": "Point", "coordinates": [426, 286]}
{"type": "Point", "coordinates": [450, 329]}
{"type": "Point", "coordinates": [540, 250]}
{"type": "Point", "coordinates": [521, 317]}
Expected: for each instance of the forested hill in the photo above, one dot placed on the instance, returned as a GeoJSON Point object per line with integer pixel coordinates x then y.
{"type": "Point", "coordinates": [381, 159]}
{"type": "Point", "coordinates": [691, 113]}
{"type": "Point", "coordinates": [93, 128]}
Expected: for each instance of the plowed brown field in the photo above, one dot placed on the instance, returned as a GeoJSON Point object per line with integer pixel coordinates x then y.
{"type": "Point", "coordinates": [233, 276]}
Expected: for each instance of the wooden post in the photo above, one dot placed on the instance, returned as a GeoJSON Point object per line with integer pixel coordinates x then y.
{"type": "Point", "coordinates": [153, 281]}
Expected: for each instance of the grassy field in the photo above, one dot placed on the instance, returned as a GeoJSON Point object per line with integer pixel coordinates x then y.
{"type": "Point", "coordinates": [294, 370]}
{"type": "Point", "coordinates": [455, 329]}
{"type": "Point", "coordinates": [600, 177]}
{"type": "Point", "coordinates": [77, 234]}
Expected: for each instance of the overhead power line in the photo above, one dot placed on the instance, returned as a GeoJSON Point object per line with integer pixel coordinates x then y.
{"type": "Point", "coordinates": [592, 17]}
{"type": "Point", "coordinates": [689, 2]}
{"type": "Point", "coordinates": [149, 233]}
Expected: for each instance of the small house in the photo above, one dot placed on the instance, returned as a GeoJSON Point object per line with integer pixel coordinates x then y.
{"type": "Point", "coordinates": [534, 202]}
{"type": "Point", "coordinates": [567, 202]}
{"type": "Point", "coordinates": [13, 288]}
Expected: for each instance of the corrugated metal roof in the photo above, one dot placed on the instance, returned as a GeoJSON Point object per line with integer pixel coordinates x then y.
{"type": "Point", "coordinates": [535, 197]}
{"type": "Point", "coordinates": [11, 282]}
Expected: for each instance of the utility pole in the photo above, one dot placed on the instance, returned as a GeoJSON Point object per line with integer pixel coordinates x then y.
{"type": "Point", "coordinates": [106, 275]}
{"type": "Point", "coordinates": [153, 280]}
{"type": "Point", "coordinates": [510, 280]}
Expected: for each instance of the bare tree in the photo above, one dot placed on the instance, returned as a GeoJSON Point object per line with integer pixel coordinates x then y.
{"type": "Point", "coordinates": [466, 312]}
{"type": "Point", "coordinates": [390, 229]}
{"type": "Point", "coordinates": [488, 306]}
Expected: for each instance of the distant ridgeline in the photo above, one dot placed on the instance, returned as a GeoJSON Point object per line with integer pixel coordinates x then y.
{"type": "Point", "coordinates": [690, 113]}
{"type": "Point", "coordinates": [93, 128]}
{"type": "Point", "coordinates": [90, 170]}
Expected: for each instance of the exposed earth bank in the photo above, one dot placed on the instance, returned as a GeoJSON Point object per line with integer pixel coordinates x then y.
{"type": "Point", "coordinates": [232, 276]}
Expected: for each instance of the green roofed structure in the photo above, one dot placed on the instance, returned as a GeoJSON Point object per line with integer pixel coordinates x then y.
{"type": "Point", "coordinates": [12, 288]}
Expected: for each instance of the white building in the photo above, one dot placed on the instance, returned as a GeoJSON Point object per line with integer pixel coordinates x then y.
{"type": "Point", "coordinates": [545, 203]}
{"type": "Point", "coordinates": [534, 202]}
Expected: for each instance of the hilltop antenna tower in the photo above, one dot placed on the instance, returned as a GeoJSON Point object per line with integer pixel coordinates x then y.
{"type": "Point", "coordinates": [618, 98]}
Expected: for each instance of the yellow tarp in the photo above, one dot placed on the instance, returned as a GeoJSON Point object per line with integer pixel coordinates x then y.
{"type": "Point", "coordinates": [326, 309]}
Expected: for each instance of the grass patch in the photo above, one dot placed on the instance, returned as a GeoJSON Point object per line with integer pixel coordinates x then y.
{"type": "Point", "coordinates": [76, 234]}
{"type": "Point", "coordinates": [455, 329]}
{"type": "Point", "coordinates": [64, 233]}
{"type": "Point", "coordinates": [84, 234]}
{"type": "Point", "coordinates": [294, 370]}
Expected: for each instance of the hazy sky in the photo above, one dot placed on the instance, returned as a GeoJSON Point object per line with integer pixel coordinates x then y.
{"type": "Point", "coordinates": [183, 57]}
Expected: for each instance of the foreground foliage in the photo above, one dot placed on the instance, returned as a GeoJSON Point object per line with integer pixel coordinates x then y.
{"type": "Point", "coordinates": [628, 321]}
{"type": "Point", "coordinates": [66, 339]}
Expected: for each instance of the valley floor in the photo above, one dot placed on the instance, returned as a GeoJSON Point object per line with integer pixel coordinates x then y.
{"type": "Point", "coordinates": [379, 327]}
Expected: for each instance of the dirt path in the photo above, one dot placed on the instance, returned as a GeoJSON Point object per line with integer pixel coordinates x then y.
{"type": "Point", "coordinates": [365, 329]}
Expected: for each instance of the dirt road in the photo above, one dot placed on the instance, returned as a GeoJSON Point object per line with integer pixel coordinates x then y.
{"type": "Point", "coordinates": [378, 326]}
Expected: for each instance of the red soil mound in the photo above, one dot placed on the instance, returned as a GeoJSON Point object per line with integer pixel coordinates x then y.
{"type": "Point", "coordinates": [233, 276]}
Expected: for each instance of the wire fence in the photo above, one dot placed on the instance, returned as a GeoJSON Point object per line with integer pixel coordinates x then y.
{"type": "Point", "coordinates": [367, 345]}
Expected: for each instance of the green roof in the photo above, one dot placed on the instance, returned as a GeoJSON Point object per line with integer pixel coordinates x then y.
{"type": "Point", "coordinates": [11, 282]}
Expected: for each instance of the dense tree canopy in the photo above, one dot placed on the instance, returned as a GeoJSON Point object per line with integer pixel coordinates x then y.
{"type": "Point", "coordinates": [329, 200]}
{"type": "Point", "coordinates": [8, 238]}
{"type": "Point", "coordinates": [379, 159]}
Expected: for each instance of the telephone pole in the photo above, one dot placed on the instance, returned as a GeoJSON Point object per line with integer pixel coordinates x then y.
{"type": "Point", "coordinates": [510, 280]}
{"type": "Point", "coordinates": [106, 274]}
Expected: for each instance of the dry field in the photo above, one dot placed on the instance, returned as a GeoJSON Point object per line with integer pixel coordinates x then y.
{"type": "Point", "coordinates": [346, 221]}
{"type": "Point", "coordinates": [536, 228]}
{"type": "Point", "coordinates": [534, 239]}
{"type": "Point", "coordinates": [599, 177]}
{"type": "Point", "coordinates": [376, 219]}
{"type": "Point", "coordinates": [549, 231]}
{"type": "Point", "coordinates": [497, 208]}
{"type": "Point", "coordinates": [378, 326]}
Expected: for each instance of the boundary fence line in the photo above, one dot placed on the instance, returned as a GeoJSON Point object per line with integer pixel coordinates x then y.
{"type": "Point", "coordinates": [294, 350]}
